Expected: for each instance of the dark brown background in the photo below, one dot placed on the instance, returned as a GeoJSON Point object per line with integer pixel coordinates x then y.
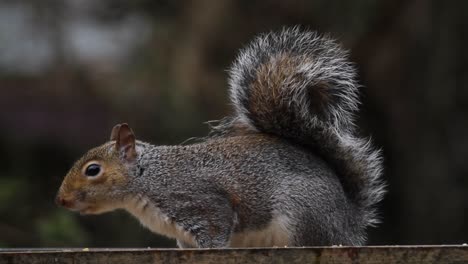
{"type": "Point", "coordinates": [70, 70]}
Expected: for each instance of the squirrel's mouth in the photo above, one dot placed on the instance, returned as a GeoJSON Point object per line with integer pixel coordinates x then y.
{"type": "Point", "coordinates": [75, 204]}
{"type": "Point", "coordinates": [82, 207]}
{"type": "Point", "coordinates": [79, 207]}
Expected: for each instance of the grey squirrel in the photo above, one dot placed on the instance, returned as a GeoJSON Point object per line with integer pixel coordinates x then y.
{"type": "Point", "coordinates": [286, 169]}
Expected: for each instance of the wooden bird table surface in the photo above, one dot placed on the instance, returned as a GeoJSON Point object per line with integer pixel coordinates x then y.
{"type": "Point", "coordinates": [442, 254]}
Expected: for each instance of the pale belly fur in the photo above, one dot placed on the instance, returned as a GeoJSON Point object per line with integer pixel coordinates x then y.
{"type": "Point", "coordinates": [274, 234]}
{"type": "Point", "coordinates": [156, 221]}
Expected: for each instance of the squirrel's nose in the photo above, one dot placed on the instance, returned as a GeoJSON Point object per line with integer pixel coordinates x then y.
{"type": "Point", "coordinates": [62, 201]}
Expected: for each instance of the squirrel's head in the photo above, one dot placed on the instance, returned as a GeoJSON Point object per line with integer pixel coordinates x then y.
{"type": "Point", "coordinates": [97, 181]}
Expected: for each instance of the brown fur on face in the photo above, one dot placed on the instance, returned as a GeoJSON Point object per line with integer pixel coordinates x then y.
{"type": "Point", "coordinates": [98, 194]}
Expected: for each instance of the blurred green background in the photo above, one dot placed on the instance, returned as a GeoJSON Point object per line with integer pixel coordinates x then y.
{"type": "Point", "coordinates": [71, 69]}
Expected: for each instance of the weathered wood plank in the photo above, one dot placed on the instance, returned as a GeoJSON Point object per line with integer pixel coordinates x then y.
{"type": "Point", "coordinates": [316, 255]}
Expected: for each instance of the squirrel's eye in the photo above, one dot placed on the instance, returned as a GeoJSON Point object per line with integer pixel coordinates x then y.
{"type": "Point", "coordinates": [93, 170]}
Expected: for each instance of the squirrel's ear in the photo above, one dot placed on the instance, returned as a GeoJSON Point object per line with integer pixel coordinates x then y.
{"type": "Point", "coordinates": [115, 132]}
{"type": "Point", "coordinates": [124, 141]}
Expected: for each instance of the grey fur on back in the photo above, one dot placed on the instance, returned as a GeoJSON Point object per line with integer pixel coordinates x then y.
{"type": "Point", "coordinates": [300, 86]}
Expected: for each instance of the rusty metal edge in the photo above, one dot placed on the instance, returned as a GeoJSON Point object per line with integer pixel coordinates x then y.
{"type": "Point", "coordinates": [9, 251]}
{"type": "Point", "coordinates": [421, 254]}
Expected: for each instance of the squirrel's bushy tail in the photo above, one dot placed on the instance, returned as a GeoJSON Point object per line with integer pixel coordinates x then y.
{"type": "Point", "coordinates": [300, 86]}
